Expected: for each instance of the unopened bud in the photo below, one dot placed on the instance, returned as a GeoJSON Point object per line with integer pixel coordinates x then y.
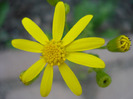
{"type": "Point", "coordinates": [67, 8]}
{"type": "Point", "coordinates": [103, 79]}
{"type": "Point", "coordinates": [119, 44]}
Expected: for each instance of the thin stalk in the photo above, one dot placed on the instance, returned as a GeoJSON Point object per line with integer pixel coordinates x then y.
{"type": "Point", "coordinates": [103, 47]}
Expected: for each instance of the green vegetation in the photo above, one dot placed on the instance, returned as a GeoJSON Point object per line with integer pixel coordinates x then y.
{"type": "Point", "coordinates": [102, 12]}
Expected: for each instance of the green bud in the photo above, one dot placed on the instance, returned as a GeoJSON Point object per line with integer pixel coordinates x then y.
{"type": "Point", "coordinates": [27, 83]}
{"type": "Point", "coordinates": [103, 79]}
{"type": "Point", "coordinates": [119, 44]}
{"type": "Point", "coordinates": [67, 8]}
{"type": "Point", "coordinates": [53, 2]}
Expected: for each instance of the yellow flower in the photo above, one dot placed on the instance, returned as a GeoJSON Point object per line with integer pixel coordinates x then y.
{"type": "Point", "coordinates": [56, 51]}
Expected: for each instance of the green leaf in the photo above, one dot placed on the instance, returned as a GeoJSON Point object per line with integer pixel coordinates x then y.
{"type": "Point", "coordinates": [4, 8]}
{"type": "Point", "coordinates": [110, 33]}
{"type": "Point", "coordinates": [102, 11]}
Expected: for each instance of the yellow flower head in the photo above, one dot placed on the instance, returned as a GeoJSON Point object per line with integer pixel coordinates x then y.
{"type": "Point", "coordinates": [57, 50]}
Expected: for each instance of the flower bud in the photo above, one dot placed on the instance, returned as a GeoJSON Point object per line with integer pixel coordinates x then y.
{"type": "Point", "coordinates": [119, 44]}
{"type": "Point", "coordinates": [103, 79]}
{"type": "Point", "coordinates": [53, 2]}
{"type": "Point", "coordinates": [27, 83]}
{"type": "Point", "coordinates": [67, 8]}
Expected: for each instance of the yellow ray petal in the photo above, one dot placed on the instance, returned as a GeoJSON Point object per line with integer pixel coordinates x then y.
{"type": "Point", "coordinates": [70, 79]}
{"type": "Point", "coordinates": [76, 29]}
{"type": "Point", "coordinates": [85, 44]}
{"type": "Point", "coordinates": [27, 45]}
{"type": "Point", "coordinates": [58, 21]}
{"type": "Point", "coordinates": [33, 71]}
{"type": "Point", "coordinates": [47, 80]}
{"type": "Point", "coordinates": [85, 59]}
{"type": "Point", "coordinates": [34, 30]}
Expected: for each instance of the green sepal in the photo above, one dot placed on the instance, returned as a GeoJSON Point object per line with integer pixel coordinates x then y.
{"type": "Point", "coordinates": [113, 45]}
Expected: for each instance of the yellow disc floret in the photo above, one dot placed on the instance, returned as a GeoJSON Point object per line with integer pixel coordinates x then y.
{"type": "Point", "coordinates": [54, 52]}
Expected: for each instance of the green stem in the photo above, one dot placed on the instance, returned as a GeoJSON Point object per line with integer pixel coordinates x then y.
{"type": "Point", "coordinates": [66, 26]}
{"type": "Point", "coordinates": [103, 47]}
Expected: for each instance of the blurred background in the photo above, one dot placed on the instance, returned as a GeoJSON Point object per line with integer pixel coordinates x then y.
{"type": "Point", "coordinates": [111, 18]}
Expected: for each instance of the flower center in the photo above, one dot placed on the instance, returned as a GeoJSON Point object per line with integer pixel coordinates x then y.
{"type": "Point", "coordinates": [54, 52]}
